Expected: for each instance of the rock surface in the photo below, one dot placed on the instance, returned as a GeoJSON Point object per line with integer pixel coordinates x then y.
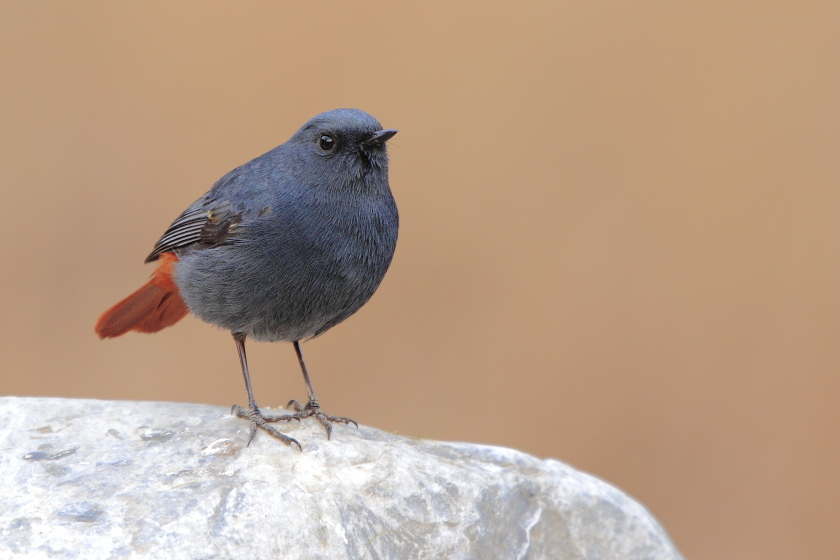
{"type": "Point", "coordinates": [108, 479]}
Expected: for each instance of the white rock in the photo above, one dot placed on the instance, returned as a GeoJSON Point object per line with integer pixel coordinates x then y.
{"type": "Point", "coordinates": [108, 479]}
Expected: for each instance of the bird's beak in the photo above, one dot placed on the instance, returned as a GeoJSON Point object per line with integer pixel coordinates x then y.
{"type": "Point", "coordinates": [378, 138]}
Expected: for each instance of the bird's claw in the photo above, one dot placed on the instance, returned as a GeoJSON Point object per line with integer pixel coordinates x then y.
{"type": "Point", "coordinates": [259, 421]}
{"type": "Point", "coordinates": [312, 408]}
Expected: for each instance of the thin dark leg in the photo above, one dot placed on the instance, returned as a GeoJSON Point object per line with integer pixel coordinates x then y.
{"type": "Point", "coordinates": [239, 338]}
{"type": "Point", "coordinates": [309, 388]}
{"type": "Point", "coordinates": [312, 407]}
{"type": "Point", "coordinates": [253, 413]}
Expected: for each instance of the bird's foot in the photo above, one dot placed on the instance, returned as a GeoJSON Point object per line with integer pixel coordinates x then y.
{"type": "Point", "coordinates": [258, 420]}
{"type": "Point", "coordinates": [312, 408]}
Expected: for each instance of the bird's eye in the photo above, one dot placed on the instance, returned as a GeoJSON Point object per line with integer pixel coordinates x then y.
{"type": "Point", "coordinates": [326, 143]}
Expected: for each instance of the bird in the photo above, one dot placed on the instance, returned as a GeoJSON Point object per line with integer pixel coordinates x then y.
{"type": "Point", "coordinates": [281, 249]}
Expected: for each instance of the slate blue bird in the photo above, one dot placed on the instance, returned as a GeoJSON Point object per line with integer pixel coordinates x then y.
{"type": "Point", "coordinates": [280, 249]}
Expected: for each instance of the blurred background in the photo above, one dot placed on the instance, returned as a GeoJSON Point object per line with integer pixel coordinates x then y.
{"type": "Point", "coordinates": [619, 240]}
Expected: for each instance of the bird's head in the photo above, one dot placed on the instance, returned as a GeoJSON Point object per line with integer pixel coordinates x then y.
{"type": "Point", "coordinates": [345, 146]}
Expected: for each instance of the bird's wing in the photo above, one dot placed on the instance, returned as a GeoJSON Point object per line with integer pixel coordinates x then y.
{"type": "Point", "coordinates": [198, 225]}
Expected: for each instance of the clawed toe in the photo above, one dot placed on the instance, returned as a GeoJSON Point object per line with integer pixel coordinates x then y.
{"type": "Point", "coordinates": [293, 404]}
{"type": "Point", "coordinates": [312, 408]}
{"type": "Point", "coordinates": [259, 421]}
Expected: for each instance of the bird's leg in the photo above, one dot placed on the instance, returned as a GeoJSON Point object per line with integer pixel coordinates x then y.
{"type": "Point", "coordinates": [312, 407]}
{"type": "Point", "coordinates": [253, 413]}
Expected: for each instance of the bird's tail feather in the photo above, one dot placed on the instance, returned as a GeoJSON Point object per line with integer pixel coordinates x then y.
{"type": "Point", "coordinates": [155, 306]}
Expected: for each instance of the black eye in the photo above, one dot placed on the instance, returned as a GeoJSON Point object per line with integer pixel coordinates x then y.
{"type": "Point", "coordinates": [326, 143]}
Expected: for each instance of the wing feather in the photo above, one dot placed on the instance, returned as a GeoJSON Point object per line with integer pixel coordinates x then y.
{"type": "Point", "coordinates": [197, 224]}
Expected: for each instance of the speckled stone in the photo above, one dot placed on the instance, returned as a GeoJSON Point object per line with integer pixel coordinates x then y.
{"type": "Point", "coordinates": [110, 479]}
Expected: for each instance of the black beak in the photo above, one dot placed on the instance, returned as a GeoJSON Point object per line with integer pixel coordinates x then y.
{"type": "Point", "coordinates": [378, 138]}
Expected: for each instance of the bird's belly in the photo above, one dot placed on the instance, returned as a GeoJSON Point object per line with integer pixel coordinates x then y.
{"type": "Point", "coordinates": [272, 299]}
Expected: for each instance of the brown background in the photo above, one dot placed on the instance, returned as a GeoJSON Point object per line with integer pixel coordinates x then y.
{"type": "Point", "coordinates": [619, 240]}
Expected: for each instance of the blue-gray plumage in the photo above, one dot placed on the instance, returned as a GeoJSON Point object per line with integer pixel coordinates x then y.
{"type": "Point", "coordinates": [291, 243]}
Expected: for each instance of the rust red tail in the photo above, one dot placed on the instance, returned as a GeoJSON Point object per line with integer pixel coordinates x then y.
{"type": "Point", "coordinates": [155, 306]}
